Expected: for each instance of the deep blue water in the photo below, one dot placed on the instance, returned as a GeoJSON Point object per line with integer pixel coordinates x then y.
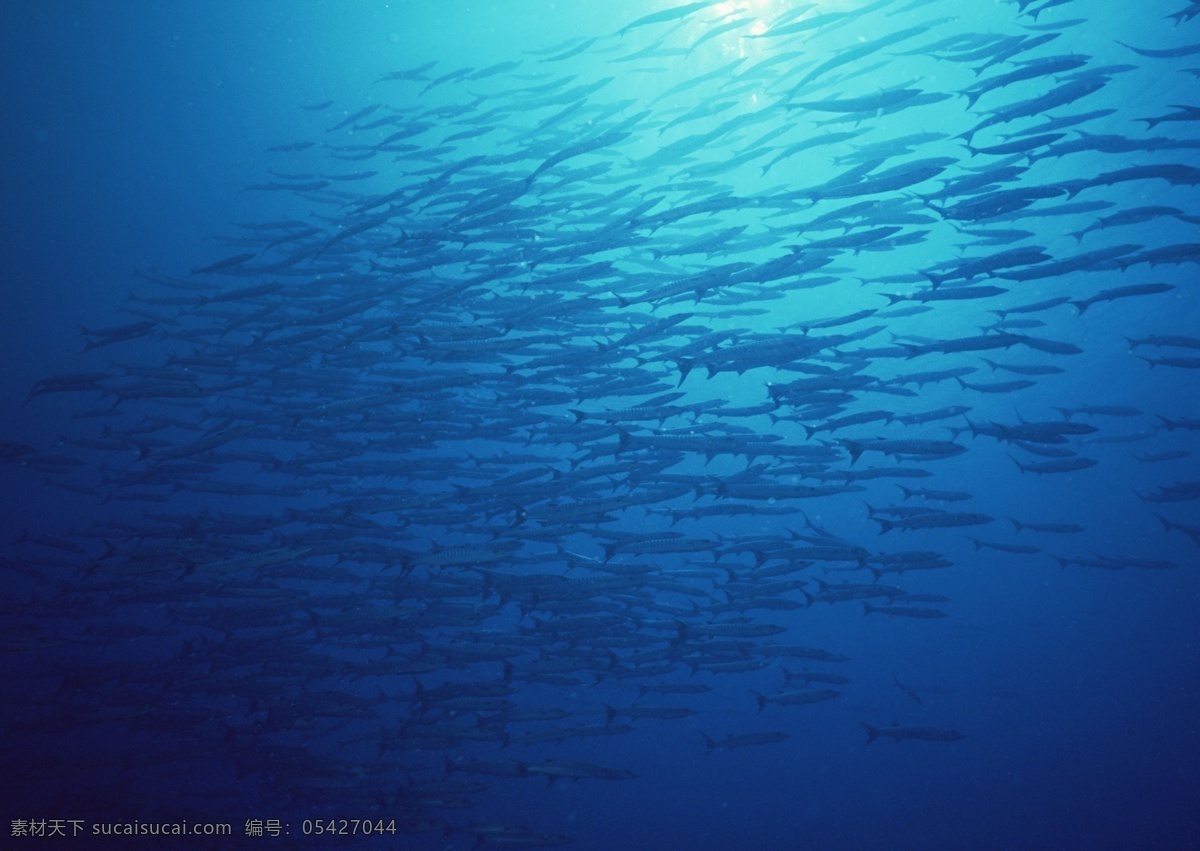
{"type": "Point", "coordinates": [558, 354]}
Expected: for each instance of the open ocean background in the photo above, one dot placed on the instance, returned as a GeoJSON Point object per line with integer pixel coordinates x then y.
{"type": "Point", "coordinates": [608, 425]}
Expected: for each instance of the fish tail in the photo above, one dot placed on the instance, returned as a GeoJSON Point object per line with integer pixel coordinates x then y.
{"type": "Point", "coordinates": [685, 366]}
{"type": "Point", "coordinates": [760, 698]}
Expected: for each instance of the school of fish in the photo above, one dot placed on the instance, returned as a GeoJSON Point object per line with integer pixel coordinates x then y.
{"type": "Point", "coordinates": [562, 402]}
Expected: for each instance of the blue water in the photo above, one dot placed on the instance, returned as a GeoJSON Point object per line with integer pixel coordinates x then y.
{"type": "Point", "coordinates": [231, 506]}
